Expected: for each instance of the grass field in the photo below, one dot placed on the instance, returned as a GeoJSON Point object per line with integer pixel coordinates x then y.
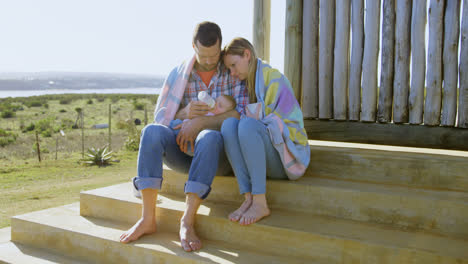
{"type": "Point", "coordinates": [27, 185]}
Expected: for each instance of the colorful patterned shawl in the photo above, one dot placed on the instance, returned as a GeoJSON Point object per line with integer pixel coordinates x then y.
{"type": "Point", "coordinates": [283, 118]}
{"type": "Point", "coordinates": [172, 92]}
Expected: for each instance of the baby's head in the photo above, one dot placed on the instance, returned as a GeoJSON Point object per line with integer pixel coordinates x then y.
{"type": "Point", "coordinates": [223, 104]}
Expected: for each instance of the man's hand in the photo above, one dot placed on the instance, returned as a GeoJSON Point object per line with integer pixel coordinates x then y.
{"type": "Point", "coordinates": [188, 133]}
{"type": "Point", "coordinates": [193, 109]}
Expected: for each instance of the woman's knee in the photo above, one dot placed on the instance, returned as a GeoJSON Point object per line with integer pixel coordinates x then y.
{"type": "Point", "coordinates": [249, 126]}
{"type": "Point", "coordinates": [229, 127]}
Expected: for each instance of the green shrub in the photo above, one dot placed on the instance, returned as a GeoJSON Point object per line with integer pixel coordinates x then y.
{"type": "Point", "coordinates": [34, 104]}
{"type": "Point", "coordinates": [138, 106]}
{"type": "Point", "coordinates": [132, 142]}
{"type": "Point", "coordinates": [8, 114]}
{"type": "Point", "coordinates": [6, 137]}
{"type": "Point", "coordinates": [65, 101]}
{"type": "Point", "coordinates": [62, 111]}
{"type": "Point", "coordinates": [46, 105]}
{"type": "Point", "coordinates": [99, 156]}
{"type": "Point", "coordinates": [30, 127]}
{"type": "Point", "coordinates": [90, 101]}
{"type": "Point", "coordinates": [101, 99]}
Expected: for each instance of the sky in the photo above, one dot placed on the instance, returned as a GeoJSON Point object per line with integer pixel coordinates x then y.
{"type": "Point", "coordinates": [121, 36]}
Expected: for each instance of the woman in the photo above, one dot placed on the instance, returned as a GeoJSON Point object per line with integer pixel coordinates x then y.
{"type": "Point", "coordinates": [270, 139]}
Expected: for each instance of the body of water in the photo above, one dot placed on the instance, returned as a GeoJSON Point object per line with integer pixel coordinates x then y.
{"type": "Point", "coordinates": [26, 93]}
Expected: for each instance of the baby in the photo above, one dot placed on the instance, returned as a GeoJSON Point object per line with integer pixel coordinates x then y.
{"type": "Point", "coordinates": [223, 104]}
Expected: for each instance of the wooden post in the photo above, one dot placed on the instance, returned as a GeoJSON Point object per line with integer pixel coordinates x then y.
{"type": "Point", "coordinates": [341, 64]}
{"type": "Point", "coordinates": [463, 99]}
{"type": "Point", "coordinates": [450, 57]}
{"type": "Point", "coordinates": [310, 23]}
{"type": "Point", "coordinates": [82, 133]}
{"type": "Point", "coordinates": [369, 64]}
{"type": "Point", "coordinates": [326, 44]}
{"type": "Point", "coordinates": [38, 147]}
{"type": "Point", "coordinates": [146, 116]}
{"type": "Point", "coordinates": [110, 130]}
{"type": "Point", "coordinates": [402, 59]}
{"type": "Point", "coordinates": [384, 110]}
{"type": "Point", "coordinates": [434, 64]}
{"type": "Point", "coordinates": [293, 45]}
{"type": "Point", "coordinates": [418, 61]}
{"type": "Point", "coordinates": [56, 147]}
{"type": "Point", "coordinates": [261, 28]}
{"type": "Point", "coordinates": [357, 46]}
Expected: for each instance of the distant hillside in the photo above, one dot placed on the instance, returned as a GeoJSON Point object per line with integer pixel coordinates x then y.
{"type": "Point", "coordinates": [76, 80]}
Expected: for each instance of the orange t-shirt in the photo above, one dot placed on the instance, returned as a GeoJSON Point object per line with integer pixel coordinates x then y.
{"type": "Point", "coordinates": [206, 76]}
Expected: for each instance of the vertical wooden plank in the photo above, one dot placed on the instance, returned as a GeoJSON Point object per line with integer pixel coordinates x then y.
{"type": "Point", "coordinates": [434, 64]}
{"type": "Point", "coordinates": [418, 61]}
{"type": "Point", "coordinates": [341, 64]}
{"type": "Point", "coordinates": [293, 45]}
{"type": "Point", "coordinates": [450, 60]}
{"type": "Point", "coordinates": [326, 44]}
{"type": "Point", "coordinates": [402, 59]}
{"type": "Point", "coordinates": [261, 28]}
{"type": "Point", "coordinates": [357, 49]}
{"type": "Point", "coordinates": [310, 24]}
{"type": "Point", "coordinates": [369, 64]}
{"type": "Point", "coordinates": [463, 99]}
{"type": "Point", "coordinates": [384, 111]}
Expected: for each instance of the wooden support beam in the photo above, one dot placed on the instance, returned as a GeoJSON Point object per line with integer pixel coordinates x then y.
{"type": "Point", "coordinates": [310, 24]}
{"type": "Point", "coordinates": [384, 111]}
{"type": "Point", "coordinates": [293, 45]}
{"type": "Point", "coordinates": [369, 64]}
{"type": "Point", "coordinates": [326, 44]}
{"type": "Point", "coordinates": [402, 60]}
{"type": "Point", "coordinates": [418, 61]}
{"type": "Point", "coordinates": [463, 99]}
{"type": "Point", "coordinates": [450, 60]}
{"type": "Point", "coordinates": [261, 28]}
{"type": "Point", "coordinates": [341, 64]}
{"type": "Point", "coordinates": [434, 64]}
{"type": "Point", "coordinates": [357, 46]}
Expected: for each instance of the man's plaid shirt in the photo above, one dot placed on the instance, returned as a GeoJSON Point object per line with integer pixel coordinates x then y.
{"type": "Point", "coordinates": [221, 84]}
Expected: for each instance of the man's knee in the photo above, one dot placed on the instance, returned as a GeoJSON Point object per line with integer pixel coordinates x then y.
{"type": "Point", "coordinates": [155, 132]}
{"type": "Point", "coordinates": [209, 140]}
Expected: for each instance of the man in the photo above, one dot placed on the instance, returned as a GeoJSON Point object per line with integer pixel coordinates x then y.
{"type": "Point", "coordinates": [158, 141]}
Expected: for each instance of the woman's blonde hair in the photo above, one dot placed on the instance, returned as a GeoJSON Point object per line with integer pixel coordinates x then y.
{"type": "Point", "coordinates": [237, 46]}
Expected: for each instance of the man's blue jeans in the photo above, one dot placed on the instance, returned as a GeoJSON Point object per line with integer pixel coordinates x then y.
{"type": "Point", "coordinates": [158, 145]}
{"type": "Point", "coordinates": [251, 154]}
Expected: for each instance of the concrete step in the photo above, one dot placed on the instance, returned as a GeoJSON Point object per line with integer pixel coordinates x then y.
{"type": "Point", "coordinates": [11, 252]}
{"type": "Point", "coordinates": [307, 236]}
{"type": "Point", "coordinates": [414, 167]}
{"type": "Point", "coordinates": [443, 212]}
{"type": "Point", "coordinates": [96, 240]}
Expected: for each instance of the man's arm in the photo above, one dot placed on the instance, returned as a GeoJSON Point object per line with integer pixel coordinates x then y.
{"type": "Point", "coordinates": [190, 129]}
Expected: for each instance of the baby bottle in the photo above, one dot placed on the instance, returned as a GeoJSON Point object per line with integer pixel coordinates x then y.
{"type": "Point", "coordinates": [204, 97]}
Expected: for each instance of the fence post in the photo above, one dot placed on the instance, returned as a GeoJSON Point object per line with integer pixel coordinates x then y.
{"type": "Point", "coordinates": [146, 115]}
{"type": "Point", "coordinates": [261, 28]}
{"type": "Point", "coordinates": [82, 133]}
{"type": "Point", "coordinates": [463, 99]}
{"type": "Point", "coordinates": [38, 147]}
{"type": "Point", "coordinates": [293, 45]}
{"type": "Point", "coordinates": [110, 130]}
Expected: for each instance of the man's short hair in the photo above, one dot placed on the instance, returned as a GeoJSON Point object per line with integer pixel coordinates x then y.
{"type": "Point", "coordinates": [207, 33]}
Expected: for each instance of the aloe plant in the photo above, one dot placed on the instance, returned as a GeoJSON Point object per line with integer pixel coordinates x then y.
{"type": "Point", "coordinates": [99, 156]}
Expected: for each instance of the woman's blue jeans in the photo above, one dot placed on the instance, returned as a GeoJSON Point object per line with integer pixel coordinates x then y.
{"type": "Point", "coordinates": [158, 144]}
{"type": "Point", "coordinates": [251, 154]}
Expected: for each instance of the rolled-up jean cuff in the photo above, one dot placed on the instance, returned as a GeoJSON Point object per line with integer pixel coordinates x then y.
{"type": "Point", "coordinates": [148, 182]}
{"type": "Point", "coordinates": [200, 189]}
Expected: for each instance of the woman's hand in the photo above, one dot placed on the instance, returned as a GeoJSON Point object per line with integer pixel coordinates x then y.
{"type": "Point", "coordinates": [256, 114]}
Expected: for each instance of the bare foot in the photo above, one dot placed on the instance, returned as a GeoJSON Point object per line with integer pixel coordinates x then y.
{"type": "Point", "coordinates": [236, 215]}
{"type": "Point", "coordinates": [188, 238]}
{"type": "Point", "coordinates": [255, 212]}
{"type": "Point", "coordinates": [141, 227]}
